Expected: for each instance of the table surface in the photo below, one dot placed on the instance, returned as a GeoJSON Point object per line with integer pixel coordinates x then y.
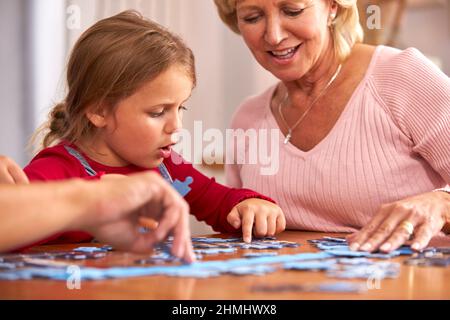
{"type": "Point", "coordinates": [414, 282]}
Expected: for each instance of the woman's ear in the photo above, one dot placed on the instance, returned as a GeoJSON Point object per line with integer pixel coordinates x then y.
{"type": "Point", "coordinates": [333, 12]}
{"type": "Point", "coordinates": [333, 8]}
{"type": "Point", "coordinates": [96, 117]}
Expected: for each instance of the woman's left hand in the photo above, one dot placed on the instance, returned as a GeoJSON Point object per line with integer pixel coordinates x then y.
{"type": "Point", "coordinates": [420, 217]}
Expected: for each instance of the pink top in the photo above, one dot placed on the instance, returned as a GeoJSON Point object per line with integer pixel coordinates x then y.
{"type": "Point", "coordinates": [391, 141]}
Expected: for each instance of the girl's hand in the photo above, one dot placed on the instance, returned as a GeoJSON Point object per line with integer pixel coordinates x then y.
{"type": "Point", "coordinates": [260, 216]}
{"type": "Point", "coordinates": [420, 217]}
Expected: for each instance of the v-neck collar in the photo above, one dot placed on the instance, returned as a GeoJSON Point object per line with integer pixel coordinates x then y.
{"type": "Point", "coordinates": [339, 122]}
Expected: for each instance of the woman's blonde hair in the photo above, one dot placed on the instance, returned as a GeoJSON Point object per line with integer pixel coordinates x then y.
{"type": "Point", "coordinates": [346, 29]}
{"type": "Point", "coordinates": [109, 62]}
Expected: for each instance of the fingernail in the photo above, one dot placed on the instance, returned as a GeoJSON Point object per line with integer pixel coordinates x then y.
{"type": "Point", "coordinates": [416, 246]}
{"type": "Point", "coordinates": [366, 247]}
{"type": "Point", "coordinates": [354, 246]}
{"type": "Point", "coordinates": [386, 246]}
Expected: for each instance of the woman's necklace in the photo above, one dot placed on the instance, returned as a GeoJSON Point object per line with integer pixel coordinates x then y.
{"type": "Point", "coordinates": [291, 129]}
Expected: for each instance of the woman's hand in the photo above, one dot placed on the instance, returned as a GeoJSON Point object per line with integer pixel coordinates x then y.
{"type": "Point", "coordinates": [420, 217]}
{"type": "Point", "coordinates": [11, 173]}
{"type": "Point", "coordinates": [260, 216]}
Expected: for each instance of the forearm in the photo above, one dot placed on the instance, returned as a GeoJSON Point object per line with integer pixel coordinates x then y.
{"type": "Point", "coordinates": [29, 213]}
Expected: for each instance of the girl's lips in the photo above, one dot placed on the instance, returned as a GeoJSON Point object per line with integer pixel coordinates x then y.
{"type": "Point", "coordinates": [165, 152]}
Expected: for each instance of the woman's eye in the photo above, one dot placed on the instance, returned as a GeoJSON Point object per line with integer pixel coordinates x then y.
{"type": "Point", "coordinates": [293, 13]}
{"type": "Point", "coordinates": [251, 19]}
{"type": "Point", "coordinates": [182, 108]}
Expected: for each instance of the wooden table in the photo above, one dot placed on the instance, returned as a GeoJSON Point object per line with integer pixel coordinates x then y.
{"type": "Point", "coordinates": [413, 283]}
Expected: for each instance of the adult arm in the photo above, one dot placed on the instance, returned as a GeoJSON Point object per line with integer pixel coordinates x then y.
{"type": "Point", "coordinates": [110, 209]}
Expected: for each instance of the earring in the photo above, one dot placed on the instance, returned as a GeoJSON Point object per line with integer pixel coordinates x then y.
{"type": "Point", "coordinates": [331, 21]}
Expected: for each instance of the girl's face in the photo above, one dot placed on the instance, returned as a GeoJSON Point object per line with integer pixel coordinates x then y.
{"type": "Point", "coordinates": [287, 37]}
{"type": "Point", "coordinates": [140, 130]}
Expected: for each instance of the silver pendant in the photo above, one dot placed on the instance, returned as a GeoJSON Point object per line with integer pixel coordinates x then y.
{"type": "Point", "coordinates": [288, 137]}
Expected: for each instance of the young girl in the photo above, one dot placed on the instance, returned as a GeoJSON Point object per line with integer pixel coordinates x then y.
{"type": "Point", "coordinates": [128, 79]}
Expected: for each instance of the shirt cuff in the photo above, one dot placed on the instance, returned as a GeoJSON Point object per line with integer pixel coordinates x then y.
{"type": "Point", "coordinates": [444, 189]}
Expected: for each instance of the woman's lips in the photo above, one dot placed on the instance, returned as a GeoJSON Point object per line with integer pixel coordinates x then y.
{"type": "Point", "coordinates": [284, 56]}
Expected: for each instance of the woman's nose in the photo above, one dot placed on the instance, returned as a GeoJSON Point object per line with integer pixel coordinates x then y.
{"type": "Point", "coordinates": [274, 32]}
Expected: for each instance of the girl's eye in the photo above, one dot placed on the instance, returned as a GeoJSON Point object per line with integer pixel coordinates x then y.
{"type": "Point", "coordinates": [182, 108]}
{"type": "Point", "coordinates": [157, 114]}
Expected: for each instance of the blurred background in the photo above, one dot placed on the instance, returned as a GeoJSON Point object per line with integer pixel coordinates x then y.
{"type": "Point", "coordinates": [37, 36]}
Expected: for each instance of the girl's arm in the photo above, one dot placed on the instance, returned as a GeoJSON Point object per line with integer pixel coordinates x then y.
{"type": "Point", "coordinates": [219, 205]}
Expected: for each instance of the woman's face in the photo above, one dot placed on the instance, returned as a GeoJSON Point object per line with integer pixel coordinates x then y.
{"type": "Point", "coordinates": [287, 37]}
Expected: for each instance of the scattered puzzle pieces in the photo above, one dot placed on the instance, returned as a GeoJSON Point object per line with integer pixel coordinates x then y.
{"type": "Point", "coordinates": [336, 259]}
{"type": "Point", "coordinates": [377, 270]}
{"type": "Point", "coordinates": [211, 251]}
{"type": "Point", "coordinates": [259, 254]}
{"type": "Point", "coordinates": [310, 265]}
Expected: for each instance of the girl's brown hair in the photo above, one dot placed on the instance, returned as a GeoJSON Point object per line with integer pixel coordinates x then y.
{"type": "Point", "coordinates": [109, 62]}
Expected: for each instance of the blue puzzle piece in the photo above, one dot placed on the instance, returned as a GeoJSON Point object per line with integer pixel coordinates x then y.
{"type": "Point", "coordinates": [340, 287]}
{"type": "Point", "coordinates": [310, 265]}
{"type": "Point", "coordinates": [214, 240]}
{"type": "Point", "coordinates": [377, 270]}
{"type": "Point", "coordinates": [215, 251]}
{"type": "Point", "coordinates": [333, 239]}
{"type": "Point", "coordinates": [88, 249]}
{"type": "Point", "coordinates": [183, 187]}
{"type": "Point", "coordinates": [251, 270]}
{"type": "Point", "coordinates": [259, 254]}
{"type": "Point", "coordinates": [354, 261]}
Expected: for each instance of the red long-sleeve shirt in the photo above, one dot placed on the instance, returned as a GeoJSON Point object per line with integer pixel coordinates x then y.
{"type": "Point", "coordinates": [209, 201]}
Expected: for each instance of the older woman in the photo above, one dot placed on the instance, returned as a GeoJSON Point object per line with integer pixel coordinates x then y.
{"type": "Point", "coordinates": [365, 130]}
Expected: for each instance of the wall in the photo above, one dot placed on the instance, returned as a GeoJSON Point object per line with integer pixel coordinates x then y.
{"type": "Point", "coordinates": [13, 82]}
